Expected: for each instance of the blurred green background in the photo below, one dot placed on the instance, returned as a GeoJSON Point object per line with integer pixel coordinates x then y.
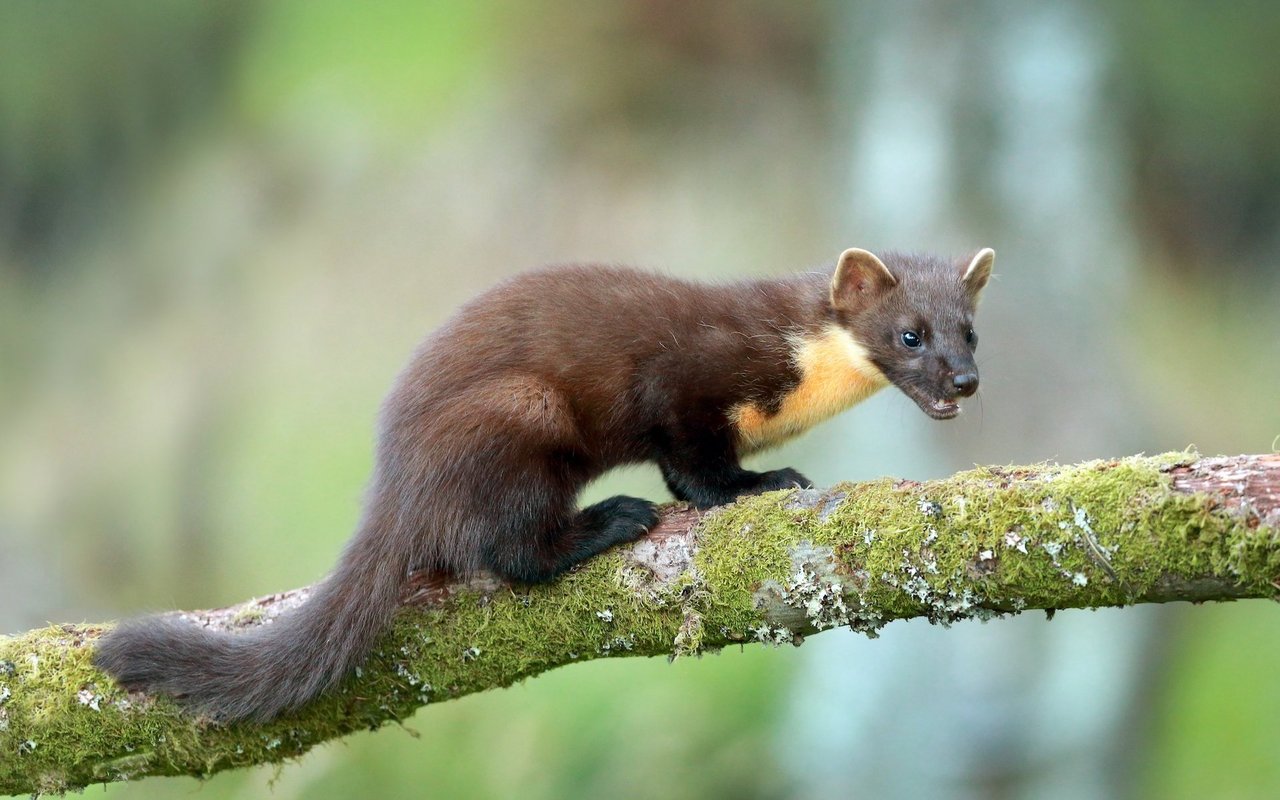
{"type": "Point", "coordinates": [223, 227]}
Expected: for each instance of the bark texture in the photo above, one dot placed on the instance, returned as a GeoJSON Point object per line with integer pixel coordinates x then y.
{"type": "Point", "coordinates": [775, 568]}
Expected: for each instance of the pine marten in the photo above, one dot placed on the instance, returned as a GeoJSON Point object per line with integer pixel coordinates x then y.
{"type": "Point", "coordinates": [542, 384]}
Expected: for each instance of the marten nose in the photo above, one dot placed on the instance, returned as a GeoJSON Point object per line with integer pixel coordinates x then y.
{"type": "Point", "coordinates": [966, 383]}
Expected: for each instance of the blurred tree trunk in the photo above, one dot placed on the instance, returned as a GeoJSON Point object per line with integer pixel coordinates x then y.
{"type": "Point", "coordinates": [987, 125]}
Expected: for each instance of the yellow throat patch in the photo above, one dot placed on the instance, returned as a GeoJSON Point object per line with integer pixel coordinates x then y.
{"type": "Point", "coordinates": [835, 373]}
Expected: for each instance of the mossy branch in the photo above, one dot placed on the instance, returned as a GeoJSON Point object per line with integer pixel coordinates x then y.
{"type": "Point", "coordinates": [774, 568]}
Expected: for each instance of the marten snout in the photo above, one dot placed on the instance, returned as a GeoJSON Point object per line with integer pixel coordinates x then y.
{"type": "Point", "coordinates": [965, 383]}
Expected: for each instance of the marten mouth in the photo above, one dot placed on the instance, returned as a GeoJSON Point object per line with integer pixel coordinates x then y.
{"type": "Point", "coordinates": [940, 409]}
{"type": "Point", "coordinates": [936, 407]}
{"type": "Point", "coordinates": [930, 403]}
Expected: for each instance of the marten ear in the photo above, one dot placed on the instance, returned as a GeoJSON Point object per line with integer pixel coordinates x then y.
{"type": "Point", "coordinates": [978, 272]}
{"type": "Point", "coordinates": [860, 277]}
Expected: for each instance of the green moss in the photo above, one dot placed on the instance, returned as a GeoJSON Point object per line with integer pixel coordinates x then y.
{"type": "Point", "coordinates": [1004, 539]}
{"type": "Point", "coordinates": [983, 542]}
{"type": "Point", "coordinates": [478, 641]}
{"type": "Point", "coordinates": [247, 616]}
{"type": "Point", "coordinates": [740, 547]}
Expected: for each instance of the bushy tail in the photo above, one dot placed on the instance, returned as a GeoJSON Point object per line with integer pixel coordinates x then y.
{"type": "Point", "coordinates": [274, 668]}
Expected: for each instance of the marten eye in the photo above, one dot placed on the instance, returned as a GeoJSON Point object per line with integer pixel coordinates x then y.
{"type": "Point", "coordinates": [971, 338]}
{"type": "Point", "coordinates": [911, 339]}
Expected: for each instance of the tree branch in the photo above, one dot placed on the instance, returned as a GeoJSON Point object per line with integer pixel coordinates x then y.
{"type": "Point", "coordinates": [774, 568]}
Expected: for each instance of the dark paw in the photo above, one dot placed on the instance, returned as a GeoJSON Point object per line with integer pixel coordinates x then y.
{"type": "Point", "coordinates": [786, 478]}
{"type": "Point", "coordinates": [627, 517]}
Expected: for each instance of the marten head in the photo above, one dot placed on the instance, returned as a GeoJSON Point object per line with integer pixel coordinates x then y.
{"type": "Point", "coordinates": [913, 315]}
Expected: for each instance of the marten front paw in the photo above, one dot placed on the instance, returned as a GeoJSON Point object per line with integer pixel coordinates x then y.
{"type": "Point", "coordinates": [785, 478]}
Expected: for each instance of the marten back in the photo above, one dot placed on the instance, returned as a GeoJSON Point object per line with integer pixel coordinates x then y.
{"type": "Point", "coordinates": [619, 346]}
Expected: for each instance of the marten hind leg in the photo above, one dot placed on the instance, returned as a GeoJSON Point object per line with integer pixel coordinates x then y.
{"type": "Point", "coordinates": [555, 544]}
{"type": "Point", "coordinates": [536, 533]}
{"type": "Point", "coordinates": [522, 493]}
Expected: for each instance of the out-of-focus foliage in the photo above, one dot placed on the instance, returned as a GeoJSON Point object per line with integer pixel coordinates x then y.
{"type": "Point", "coordinates": [89, 93]}
{"type": "Point", "coordinates": [223, 226]}
{"type": "Point", "coordinates": [1202, 110]}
